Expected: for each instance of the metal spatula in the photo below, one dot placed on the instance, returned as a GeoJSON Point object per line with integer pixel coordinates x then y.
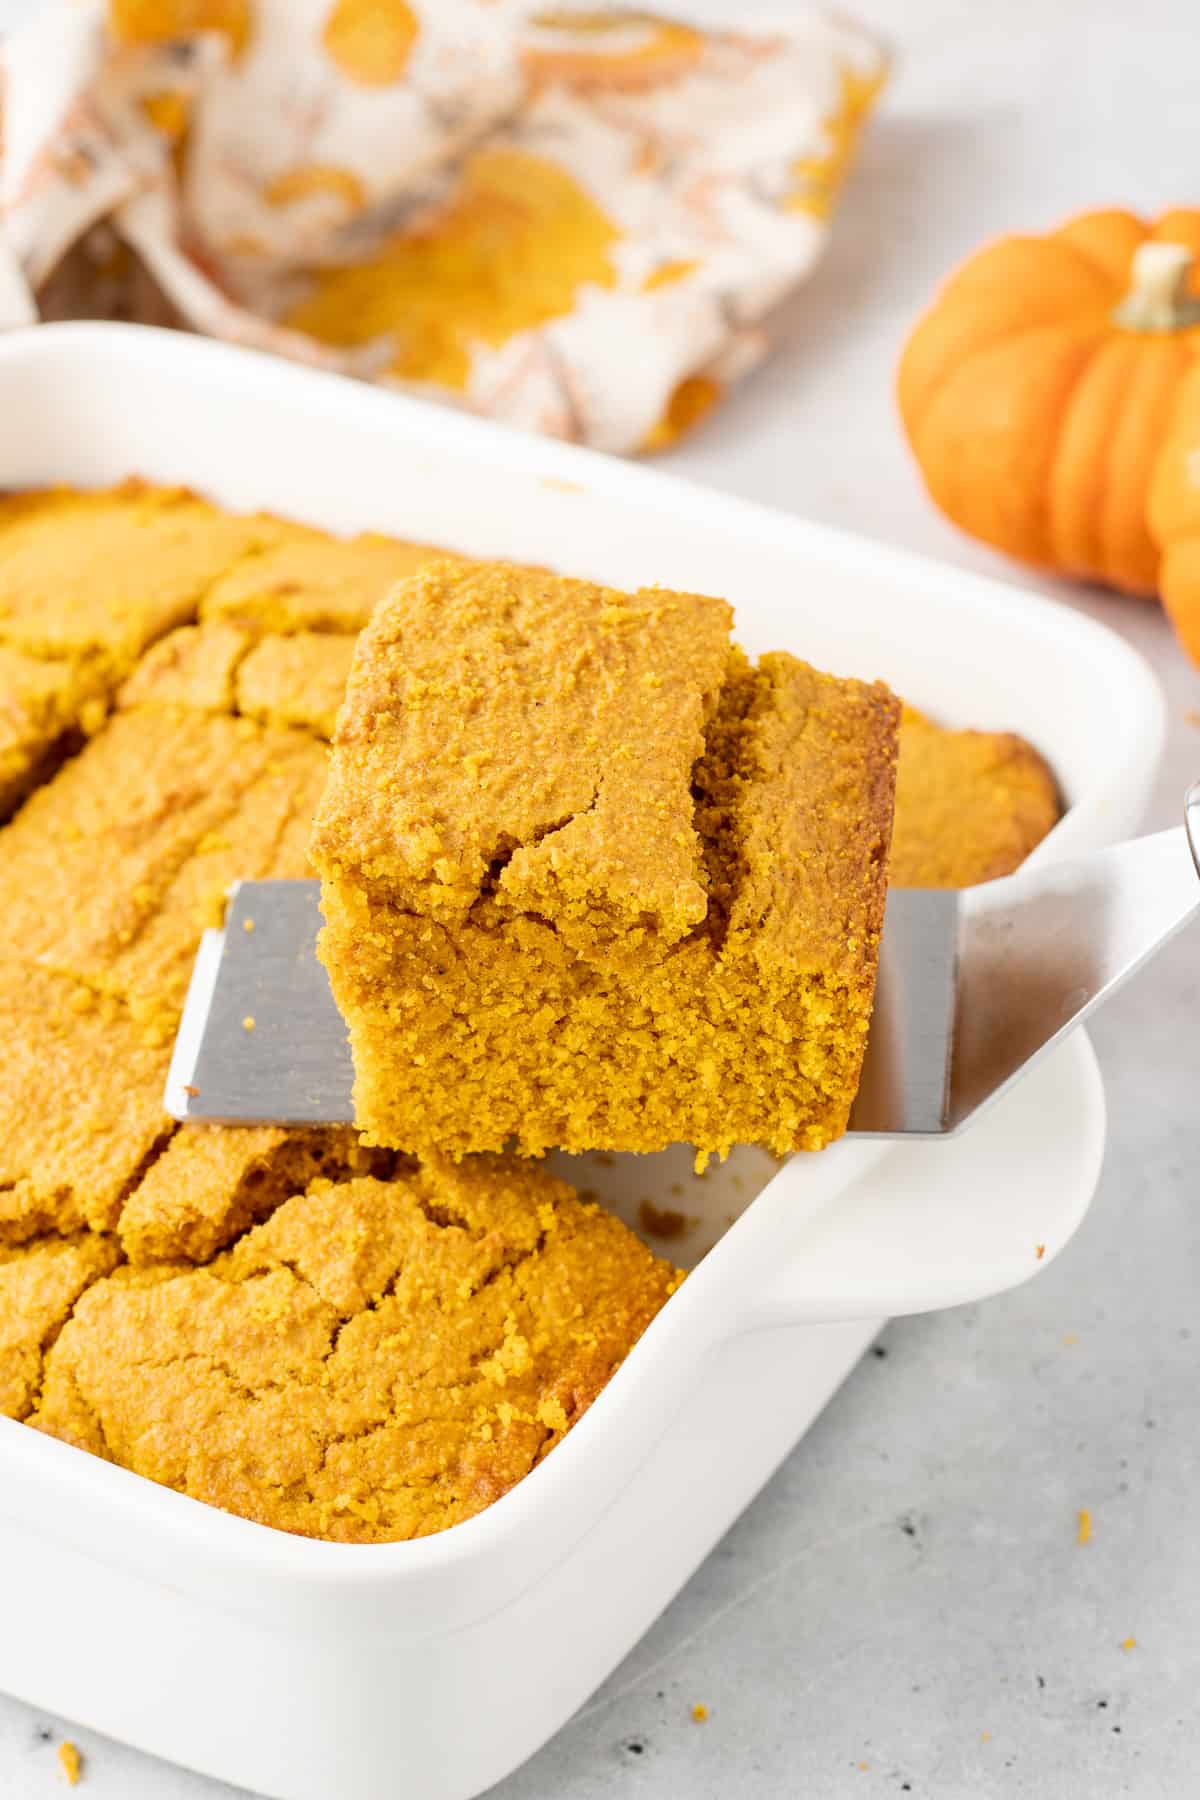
{"type": "Point", "coordinates": [973, 987]}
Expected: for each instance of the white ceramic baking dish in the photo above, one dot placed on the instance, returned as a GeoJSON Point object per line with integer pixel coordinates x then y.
{"type": "Point", "coordinates": [307, 1670]}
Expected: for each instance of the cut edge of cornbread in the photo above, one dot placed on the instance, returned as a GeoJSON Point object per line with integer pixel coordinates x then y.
{"type": "Point", "coordinates": [486, 1024]}
{"type": "Point", "coordinates": [970, 805]}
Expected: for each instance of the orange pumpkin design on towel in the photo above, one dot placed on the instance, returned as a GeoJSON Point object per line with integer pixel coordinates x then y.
{"type": "Point", "coordinates": [371, 40]}
{"type": "Point", "coordinates": [576, 218]}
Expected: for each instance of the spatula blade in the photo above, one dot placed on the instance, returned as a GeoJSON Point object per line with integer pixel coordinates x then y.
{"type": "Point", "coordinates": [261, 1041]}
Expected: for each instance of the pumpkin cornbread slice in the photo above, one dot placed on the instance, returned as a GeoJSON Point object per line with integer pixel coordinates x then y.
{"type": "Point", "coordinates": [39, 1284]}
{"type": "Point", "coordinates": [97, 576]}
{"type": "Point", "coordinates": [212, 1183]}
{"type": "Point", "coordinates": [193, 666]}
{"type": "Point", "coordinates": [298, 680]}
{"type": "Point", "coordinates": [970, 805]}
{"type": "Point", "coordinates": [306, 580]}
{"type": "Point", "coordinates": [379, 1360]}
{"type": "Point", "coordinates": [507, 729]}
{"type": "Point", "coordinates": [115, 867]}
{"type": "Point", "coordinates": [592, 881]}
{"type": "Point", "coordinates": [43, 703]}
{"type": "Point", "coordinates": [80, 1104]}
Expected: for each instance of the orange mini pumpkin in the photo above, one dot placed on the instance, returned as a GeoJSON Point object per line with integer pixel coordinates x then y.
{"type": "Point", "coordinates": [1040, 389]}
{"type": "Point", "coordinates": [1175, 516]}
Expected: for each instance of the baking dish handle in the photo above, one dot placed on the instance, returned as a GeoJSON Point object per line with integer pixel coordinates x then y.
{"type": "Point", "coordinates": [932, 1224]}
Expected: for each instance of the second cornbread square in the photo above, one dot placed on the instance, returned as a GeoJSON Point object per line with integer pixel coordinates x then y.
{"type": "Point", "coordinates": [593, 881]}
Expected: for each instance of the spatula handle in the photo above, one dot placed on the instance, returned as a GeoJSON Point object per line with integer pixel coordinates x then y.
{"type": "Point", "coordinates": [1041, 949]}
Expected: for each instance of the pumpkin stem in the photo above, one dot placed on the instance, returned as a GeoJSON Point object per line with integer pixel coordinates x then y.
{"type": "Point", "coordinates": [1160, 296]}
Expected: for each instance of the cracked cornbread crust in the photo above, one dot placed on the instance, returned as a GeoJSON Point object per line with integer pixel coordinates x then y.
{"type": "Point", "coordinates": [39, 1285]}
{"type": "Point", "coordinates": [305, 580]}
{"type": "Point", "coordinates": [211, 1184]}
{"type": "Point", "coordinates": [47, 706]}
{"type": "Point", "coordinates": [379, 1360]}
{"type": "Point", "coordinates": [384, 1349]}
{"type": "Point", "coordinates": [590, 880]}
{"type": "Point", "coordinates": [297, 680]}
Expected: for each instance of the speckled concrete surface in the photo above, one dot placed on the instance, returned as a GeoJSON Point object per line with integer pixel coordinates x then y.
{"type": "Point", "coordinates": [906, 1609]}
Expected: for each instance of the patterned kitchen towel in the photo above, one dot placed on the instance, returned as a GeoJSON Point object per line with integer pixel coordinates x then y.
{"type": "Point", "coordinates": [577, 221]}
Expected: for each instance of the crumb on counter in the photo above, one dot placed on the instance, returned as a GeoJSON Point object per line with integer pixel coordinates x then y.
{"type": "Point", "coordinates": [699, 1712]}
{"type": "Point", "coordinates": [70, 1761]}
{"type": "Point", "coordinates": [1083, 1534]}
{"type": "Point", "coordinates": [249, 1022]}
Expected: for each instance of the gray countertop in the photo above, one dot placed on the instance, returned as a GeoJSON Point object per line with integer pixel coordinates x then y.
{"type": "Point", "coordinates": [906, 1608]}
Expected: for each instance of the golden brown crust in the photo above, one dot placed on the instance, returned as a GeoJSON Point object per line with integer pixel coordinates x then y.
{"type": "Point", "coordinates": [305, 580]}
{"type": "Point", "coordinates": [379, 1360]}
{"type": "Point", "coordinates": [212, 1183]}
{"type": "Point", "coordinates": [193, 666]}
{"type": "Point", "coordinates": [151, 823]}
{"type": "Point", "coordinates": [970, 805]}
{"type": "Point", "coordinates": [506, 727]}
{"type": "Point", "coordinates": [98, 576]}
{"type": "Point", "coordinates": [43, 703]}
{"type": "Point", "coordinates": [298, 680]}
{"type": "Point", "coordinates": [591, 881]}
{"type": "Point", "coordinates": [384, 1356]}
{"type": "Point", "coordinates": [80, 1103]}
{"type": "Point", "coordinates": [39, 1284]}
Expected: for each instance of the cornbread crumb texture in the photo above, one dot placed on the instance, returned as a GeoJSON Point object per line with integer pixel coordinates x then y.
{"type": "Point", "coordinates": [361, 1349]}
{"type": "Point", "coordinates": [590, 880]}
{"type": "Point", "coordinates": [211, 1184]}
{"type": "Point", "coordinates": [98, 576]}
{"type": "Point", "coordinates": [970, 805]}
{"type": "Point", "coordinates": [500, 715]}
{"type": "Point", "coordinates": [90, 581]}
{"type": "Point", "coordinates": [116, 866]}
{"type": "Point", "coordinates": [378, 1360]}
{"type": "Point", "coordinates": [306, 580]}
{"type": "Point", "coordinates": [42, 702]}
{"type": "Point", "coordinates": [193, 666]}
{"type": "Point", "coordinates": [298, 680]}
{"type": "Point", "coordinates": [80, 1103]}
{"type": "Point", "coordinates": [39, 1284]}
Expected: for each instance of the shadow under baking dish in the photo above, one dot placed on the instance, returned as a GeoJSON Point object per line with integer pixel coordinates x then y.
{"type": "Point", "coordinates": [304, 1669]}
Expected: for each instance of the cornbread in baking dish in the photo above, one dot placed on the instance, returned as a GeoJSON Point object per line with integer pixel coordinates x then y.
{"type": "Point", "coordinates": [284, 1323]}
{"type": "Point", "coordinates": [591, 880]}
{"type": "Point", "coordinates": [379, 1359]}
{"type": "Point", "coordinates": [291, 1324]}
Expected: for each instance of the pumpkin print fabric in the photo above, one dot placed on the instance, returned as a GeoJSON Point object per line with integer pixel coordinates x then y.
{"type": "Point", "coordinates": [571, 219]}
